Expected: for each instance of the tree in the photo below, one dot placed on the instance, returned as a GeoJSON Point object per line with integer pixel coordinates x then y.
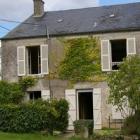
{"type": "Point", "coordinates": [125, 84]}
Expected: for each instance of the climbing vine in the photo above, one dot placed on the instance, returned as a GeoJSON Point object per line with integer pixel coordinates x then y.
{"type": "Point", "coordinates": [81, 61]}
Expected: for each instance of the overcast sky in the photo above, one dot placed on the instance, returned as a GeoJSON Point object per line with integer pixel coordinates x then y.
{"type": "Point", "coordinates": [21, 9]}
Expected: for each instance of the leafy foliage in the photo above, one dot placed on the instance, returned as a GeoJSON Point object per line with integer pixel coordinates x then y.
{"type": "Point", "coordinates": [37, 116]}
{"type": "Point", "coordinates": [132, 124]}
{"type": "Point", "coordinates": [10, 93]}
{"type": "Point", "coordinates": [125, 84]}
{"type": "Point", "coordinates": [27, 82]}
{"type": "Point", "coordinates": [82, 60]}
{"type": "Point", "coordinates": [79, 126]}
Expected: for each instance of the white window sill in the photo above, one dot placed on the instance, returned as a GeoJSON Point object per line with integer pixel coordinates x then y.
{"type": "Point", "coordinates": [36, 75]}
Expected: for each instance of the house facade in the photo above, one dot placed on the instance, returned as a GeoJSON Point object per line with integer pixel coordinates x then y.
{"type": "Point", "coordinates": [34, 48]}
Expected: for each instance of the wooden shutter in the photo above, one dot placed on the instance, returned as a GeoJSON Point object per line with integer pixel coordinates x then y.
{"type": "Point", "coordinates": [115, 113]}
{"type": "Point", "coordinates": [97, 108]}
{"type": "Point", "coordinates": [45, 94]}
{"type": "Point", "coordinates": [26, 97]}
{"type": "Point", "coordinates": [106, 55]}
{"type": "Point", "coordinates": [131, 46]}
{"type": "Point", "coordinates": [70, 96]}
{"type": "Point", "coordinates": [44, 59]}
{"type": "Point", "coordinates": [21, 60]}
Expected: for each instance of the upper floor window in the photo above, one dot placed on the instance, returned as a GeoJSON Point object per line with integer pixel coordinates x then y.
{"type": "Point", "coordinates": [32, 60]}
{"type": "Point", "coordinates": [114, 51]}
{"type": "Point", "coordinates": [118, 52]}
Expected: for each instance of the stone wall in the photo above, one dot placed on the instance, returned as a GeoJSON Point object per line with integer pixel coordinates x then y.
{"type": "Point", "coordinates": [56, 53]}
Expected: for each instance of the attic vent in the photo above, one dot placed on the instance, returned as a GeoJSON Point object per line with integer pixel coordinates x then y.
{"type": "Point", "coordinates": [112, 15]}
{"type": "Point", "coordinates": [60, 20]}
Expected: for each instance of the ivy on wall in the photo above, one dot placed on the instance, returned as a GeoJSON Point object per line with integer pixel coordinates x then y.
{"type": "Point", "coordinates": [82, 60]}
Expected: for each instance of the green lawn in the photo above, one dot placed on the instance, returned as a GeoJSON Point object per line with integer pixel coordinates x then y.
{"type": "Point", "coordinates": [11, 136]}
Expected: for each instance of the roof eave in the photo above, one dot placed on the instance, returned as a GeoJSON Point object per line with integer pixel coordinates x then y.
{"type": "Point", "coordinates": [73, 34]}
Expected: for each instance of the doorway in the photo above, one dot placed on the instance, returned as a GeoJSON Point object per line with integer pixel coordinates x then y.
{"type": "Point", "coordinates": [85, 105]}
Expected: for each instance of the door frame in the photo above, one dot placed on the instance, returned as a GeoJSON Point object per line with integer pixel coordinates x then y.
{"type": "Point", "coordinates": [78, 91]}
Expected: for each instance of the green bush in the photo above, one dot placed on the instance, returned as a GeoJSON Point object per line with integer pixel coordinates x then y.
{"type": "Point", "coordinates": [10, 93]}
{"type": "Point", "coordinates": [37, 116]}
{"type": "Point", "coordinates": [27, 82]}
{"type": "Point", "coordinates": [80, 125]}
{"type": "Point", "coordinates": [132, 124]}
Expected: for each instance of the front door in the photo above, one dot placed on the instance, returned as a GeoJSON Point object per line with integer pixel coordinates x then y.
{"type": "Point", "coordinates": [85, 105]}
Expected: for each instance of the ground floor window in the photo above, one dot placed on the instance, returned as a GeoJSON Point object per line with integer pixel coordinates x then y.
{"type": "Point", "coordinates": [34, 95]}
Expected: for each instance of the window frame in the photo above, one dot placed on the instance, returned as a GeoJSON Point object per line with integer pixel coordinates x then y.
{"type": "Point", "coordinates": [134, 48]}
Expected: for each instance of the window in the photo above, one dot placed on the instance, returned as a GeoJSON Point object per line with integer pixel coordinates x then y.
{"type": "Point", "coordinates": [118, 52]}
{"type": "Point", "coordinates": [114, 51]}
{"type": "Point", "coordinates": [34, 95]}
{"type": "Point", "coordinates": [32, 60]}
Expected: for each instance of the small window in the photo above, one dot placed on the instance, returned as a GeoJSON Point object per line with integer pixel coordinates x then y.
{"type": "Point", "coordinates": [35, 95]}
{"type": "Point", "coordinates": [34, 61]}
{"type": "Point", "coordinates": [118, 51]}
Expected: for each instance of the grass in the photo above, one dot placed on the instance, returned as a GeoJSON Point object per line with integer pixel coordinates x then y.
{"type": "Point", "coordinates": [39, 136]}
{"type": "Point", "coordinates": [12, 136]}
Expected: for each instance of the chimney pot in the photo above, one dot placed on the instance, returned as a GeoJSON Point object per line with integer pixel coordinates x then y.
{"type": "Point", "coordinates": [38, 8]}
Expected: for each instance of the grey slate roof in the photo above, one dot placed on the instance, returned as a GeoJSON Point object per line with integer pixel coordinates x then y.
{"type": "Point", "coordinates": [115, 18]}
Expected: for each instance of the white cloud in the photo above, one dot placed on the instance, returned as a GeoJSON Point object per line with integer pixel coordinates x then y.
{"type": "Point", "coordinates": [21, 9]}
{"type": "Point", "coordinates": [70, 4]}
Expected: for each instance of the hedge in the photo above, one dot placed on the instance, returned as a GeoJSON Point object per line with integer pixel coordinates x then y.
{"type": "Point", "coordinates": [37, 116]}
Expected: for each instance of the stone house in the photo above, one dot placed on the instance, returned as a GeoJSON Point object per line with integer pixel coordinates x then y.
{"type": "Point", "coordinates": [30, 48]}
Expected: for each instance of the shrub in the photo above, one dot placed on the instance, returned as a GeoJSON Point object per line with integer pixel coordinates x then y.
{"type": "Point", "coordinates": [10, 93]}
{"type": "Point", "coordinates": [62, 120]}
{"type": "Point", "coordinates": [80, 125]}
{"type": "Point", "coordinates": [132, 124]}
{"type": "Point", "coordinates": [37, 116]}
{"type": "Point", "coordinates": [27, 82]}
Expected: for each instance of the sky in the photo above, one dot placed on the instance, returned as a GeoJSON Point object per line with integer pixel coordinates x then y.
{"type": "Point", "coordinates": [19, 10]}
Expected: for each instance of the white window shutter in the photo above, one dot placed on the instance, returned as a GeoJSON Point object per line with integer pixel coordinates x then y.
{"type": "Point", "coordinates": [26, 97]}
{"type": "Point", "coordinates": [131, 46]}
{"type": "Point", "coordinates": [70, 96]}
{"type": "Point", "coordinates": [44, 59]}
{"type": "Point", "coordinates": [21, 60]}
{"type": "Point", "coordinates": [106, 55]}
{"type": "Point", "coordinates": [45, 94]}
{"type": "Point", "coordinates": [97, 108]}
{"type": "Point", "coordinates": [116, 114]}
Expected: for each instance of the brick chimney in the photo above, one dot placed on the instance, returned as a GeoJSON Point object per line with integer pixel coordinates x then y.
{"type": "Point", "coordinates": [38, 8]}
